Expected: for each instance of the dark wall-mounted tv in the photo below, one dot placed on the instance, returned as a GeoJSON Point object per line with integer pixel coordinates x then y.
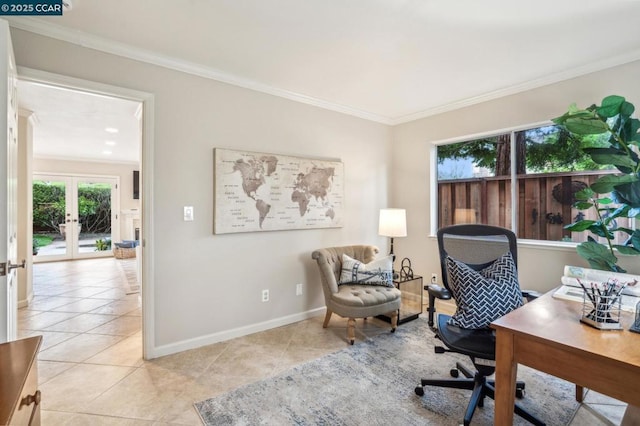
{"type": "Point", "coordinates": [136, 184]}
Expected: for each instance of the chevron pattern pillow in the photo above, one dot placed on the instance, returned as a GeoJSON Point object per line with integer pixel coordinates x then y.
{"type": "Point", "coordinates": [377, 272]}
{"type": "Point", "coordinates": [486, 295]}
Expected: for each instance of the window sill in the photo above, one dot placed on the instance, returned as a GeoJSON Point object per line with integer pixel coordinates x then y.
{"type": "Point", "coordinates": [542, 245]}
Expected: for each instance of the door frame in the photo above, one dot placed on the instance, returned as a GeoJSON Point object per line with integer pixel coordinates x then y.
{"type": "Point", "coordinates": [147, 100]}
{"type": "Point", "coordinates": [71, 180]}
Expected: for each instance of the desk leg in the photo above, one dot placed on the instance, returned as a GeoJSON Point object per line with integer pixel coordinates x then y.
{"type": "Point", "coordinates": [506, 372]}
{"type": "Point", "coordinates": [579, 393]}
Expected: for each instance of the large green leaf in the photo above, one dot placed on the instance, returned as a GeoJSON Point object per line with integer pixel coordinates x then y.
{"type": "Point", "coordinates": [627, 109]}
{"type": "Point", "coordinates": [610, 106]}
{"type": "Point", "coordinates": [583, 205]}
{"type": "Point", "coordinates": [635, 239]}
{"type": "Point", "coordinates": [607, 183]}
{"type": "Point", "coordinates": [628, 193]}
{"type": "Point", "coordinates": [617, 157]}
{"type": "Point", "coordinates": [586, 125]}
{"type": "Point", "coordinates": [580, 226]}
{"type": "Point", "coordinates": [630, 129]}
{"type": "Point", "coordinates": [584, 194]}
{"type": "Point", "coordinates": [598, 256]}
{"type": "Point", "coordinates": [627, 250]}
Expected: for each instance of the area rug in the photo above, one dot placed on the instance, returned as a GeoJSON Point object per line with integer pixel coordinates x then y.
{"type": "Point", "coordinates": [372, 383]}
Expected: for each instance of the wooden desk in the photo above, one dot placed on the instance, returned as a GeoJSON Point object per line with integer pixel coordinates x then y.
{"type": "Point", "coordinates": [547, 335]}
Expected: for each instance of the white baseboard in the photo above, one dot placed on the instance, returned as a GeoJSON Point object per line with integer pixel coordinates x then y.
{"type": "Point", "coordinates": [210, 339]}
{"type": "Point", "coordinates": [25, 302]}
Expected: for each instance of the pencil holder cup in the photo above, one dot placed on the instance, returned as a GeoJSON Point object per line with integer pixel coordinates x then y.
{"type": "Point", "coordinates": [602, 311]}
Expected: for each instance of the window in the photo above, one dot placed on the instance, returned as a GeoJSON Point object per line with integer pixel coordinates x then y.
{"type": "Point", "coordinates": [524, 180]}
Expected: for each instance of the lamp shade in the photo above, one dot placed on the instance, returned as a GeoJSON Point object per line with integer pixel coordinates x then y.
{"type": "Point", "coordinates": [393, 223]}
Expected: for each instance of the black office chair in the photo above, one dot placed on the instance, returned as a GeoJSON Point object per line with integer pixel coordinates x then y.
{"type": "Point", "coordinates": [480, 248]}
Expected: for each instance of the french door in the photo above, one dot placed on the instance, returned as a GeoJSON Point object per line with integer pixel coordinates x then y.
{"type": "Point", "coordinates": [74, 217]}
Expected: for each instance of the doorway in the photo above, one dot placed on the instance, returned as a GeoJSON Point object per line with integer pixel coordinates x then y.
{"type": "Point", "coordinates": [74, 217]}
{"type": "Point", "coordinates": [144, 124]}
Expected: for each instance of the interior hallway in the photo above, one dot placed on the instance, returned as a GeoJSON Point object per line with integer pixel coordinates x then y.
{"type": "Point", "coordinates": [91, 369]}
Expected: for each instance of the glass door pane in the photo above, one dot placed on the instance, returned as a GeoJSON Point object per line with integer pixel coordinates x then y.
{"type": "Point", "coordinates": [50, 216]}
{"type": "Point", "coordinates": [95, 215]}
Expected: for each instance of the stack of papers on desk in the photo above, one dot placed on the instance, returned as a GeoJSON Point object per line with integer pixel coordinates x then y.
{"type": "Point", "coordinates": [571, 289]}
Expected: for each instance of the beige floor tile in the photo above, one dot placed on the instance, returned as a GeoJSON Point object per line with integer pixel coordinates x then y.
{"type": "Point", "coordinates": [154, 390]}
{"type": "Point", "coordinates": [79, 348]}
{"type": "Point", "coordinates": [121, 326]}
{"type": "Point", "coordinates": [81, 305]}
{"type": "Point", "coordinates": [127, 352]}
{"type": "Point", "coordinates": [77, 388]}
{"type": "Point", "coordinates": [81, 323]}
{"type": "Point", "coordinates": [191, 363]}
{"type": "Point", "coordinates": [240, 359]}
{"type": "Point", "coordinates": [84, 292]}
{"type": "Point", "coordinates": [52, 338]}
{"type": "Point", "coordinates": [47, 370]}
{"type": "Point", "coordinates": [585, 417]}
{"type": "Point", "coordinates": [40, 303]}
{"type": "Point", "coordinates": [45, 319]}
{"type": "Point", "coordinates": [182, 411]}
{"type": "Point", "coordinates": [119, 307]}
{"type": "Point", "coordinates": [111, 294]}
{"type": "Point", "coordinates": [24, 313]}
{"type": "Point", "coordinates": [55, 418]}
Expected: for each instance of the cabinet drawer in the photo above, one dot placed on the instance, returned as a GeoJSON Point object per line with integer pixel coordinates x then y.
{"type": "Point", "coordinates": [23, 412]}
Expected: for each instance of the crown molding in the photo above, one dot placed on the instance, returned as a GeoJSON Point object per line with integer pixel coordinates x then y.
{"type": "Point", "coordinates": [102, 44]}
{"type": "Point", "coordinates": [518, 88]}
{"type": "Point", "coordinates": [90, 41]}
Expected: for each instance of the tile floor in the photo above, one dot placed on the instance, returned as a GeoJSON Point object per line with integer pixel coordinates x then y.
{"type": "Point", "coordinates": [92, 373]}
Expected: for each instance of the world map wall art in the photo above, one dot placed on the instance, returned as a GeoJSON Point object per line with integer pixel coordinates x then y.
{"type": "Point", "coordinates": [268, 192]}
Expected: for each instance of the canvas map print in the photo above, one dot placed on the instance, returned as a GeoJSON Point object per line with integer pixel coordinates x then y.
{"type": "Point", "coordinates": [267, 192]}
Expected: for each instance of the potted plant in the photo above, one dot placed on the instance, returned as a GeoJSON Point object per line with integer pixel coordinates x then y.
{"type": "Point", "coordinates": [615, 195]}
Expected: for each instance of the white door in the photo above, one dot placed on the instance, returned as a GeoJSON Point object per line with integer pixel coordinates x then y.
{"type": "Point", "coordinates": [8, 188]}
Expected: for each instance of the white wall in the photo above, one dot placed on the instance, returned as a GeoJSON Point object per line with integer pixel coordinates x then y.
{"type": "Point", "coordinates": [539, 268]}
{"type": "Point", "coordinates": [25, 230]}
{"type": "Point", "coordinates": [123, 171]}
{"type": "Point", "coordinates": [208, 284]}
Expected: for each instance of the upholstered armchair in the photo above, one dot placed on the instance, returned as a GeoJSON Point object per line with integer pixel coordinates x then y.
{"type": "Point", "coordinates": [354, 300]}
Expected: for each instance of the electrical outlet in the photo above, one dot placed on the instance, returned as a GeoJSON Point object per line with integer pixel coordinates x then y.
{"type": "Point", "coordinates": [265, 295]}
{"type": "Point", "coordinates": [298, 289]}
{"type": "Point", "coordinates": [434, 278]}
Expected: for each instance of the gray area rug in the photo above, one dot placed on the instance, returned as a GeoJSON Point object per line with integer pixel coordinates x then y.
{"type": "Point", "coordinates": [372, 383]}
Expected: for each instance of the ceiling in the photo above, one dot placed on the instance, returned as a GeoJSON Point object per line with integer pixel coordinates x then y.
{"type": "Point", "coordinates": [81, 126]}
{"type": "Point", "coordinates": [389, 61]}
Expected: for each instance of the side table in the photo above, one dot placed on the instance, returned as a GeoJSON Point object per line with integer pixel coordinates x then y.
{"type": "Point", "coordinates": [411, 299]}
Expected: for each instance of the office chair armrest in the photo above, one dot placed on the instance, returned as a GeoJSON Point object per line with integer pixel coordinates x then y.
{"type": "Point", "coordinates": [531, 295]}
{"type": "Point", "coordinates": [435, 291]}
{"type": "Point", "coordinates": [438, 292]}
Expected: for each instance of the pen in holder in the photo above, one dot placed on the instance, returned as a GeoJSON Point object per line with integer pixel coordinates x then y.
{"type": "Point", "coordinates": [601, 305]}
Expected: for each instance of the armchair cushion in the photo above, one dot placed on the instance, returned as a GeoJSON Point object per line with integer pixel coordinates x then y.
{"type": "Point", "coordinates": [378, 272]}
{"type": "Point", "coordinates": [485, 295]}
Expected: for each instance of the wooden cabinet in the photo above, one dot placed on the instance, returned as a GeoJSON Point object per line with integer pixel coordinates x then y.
{"type": "Point", "coordinates": [19, 394]}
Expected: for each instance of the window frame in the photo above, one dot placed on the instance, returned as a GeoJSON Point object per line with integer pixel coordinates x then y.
{"type": "Point", "coordinates": [513, 179]}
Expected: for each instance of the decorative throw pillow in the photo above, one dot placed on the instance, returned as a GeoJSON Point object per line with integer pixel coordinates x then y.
{"type": "Point", "coordinates": [377, 272]}
{"type": "Point", "coordinates": [486, 295]}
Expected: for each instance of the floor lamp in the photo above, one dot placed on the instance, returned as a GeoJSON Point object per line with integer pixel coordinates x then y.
{"type": "Point", "coordinates": [393, 223]}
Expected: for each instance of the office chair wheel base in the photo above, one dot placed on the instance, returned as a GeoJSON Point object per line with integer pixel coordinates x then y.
{"type": "Point", "coordinates": [519, 393]}
{"type": "Point", "coordinates": [419, 390]}
{"type": "Point", "coordinates": [454, 372]}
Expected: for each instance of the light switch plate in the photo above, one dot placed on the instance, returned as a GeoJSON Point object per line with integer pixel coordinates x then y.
{"type": "Point", "coordinates": [188, 213]}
